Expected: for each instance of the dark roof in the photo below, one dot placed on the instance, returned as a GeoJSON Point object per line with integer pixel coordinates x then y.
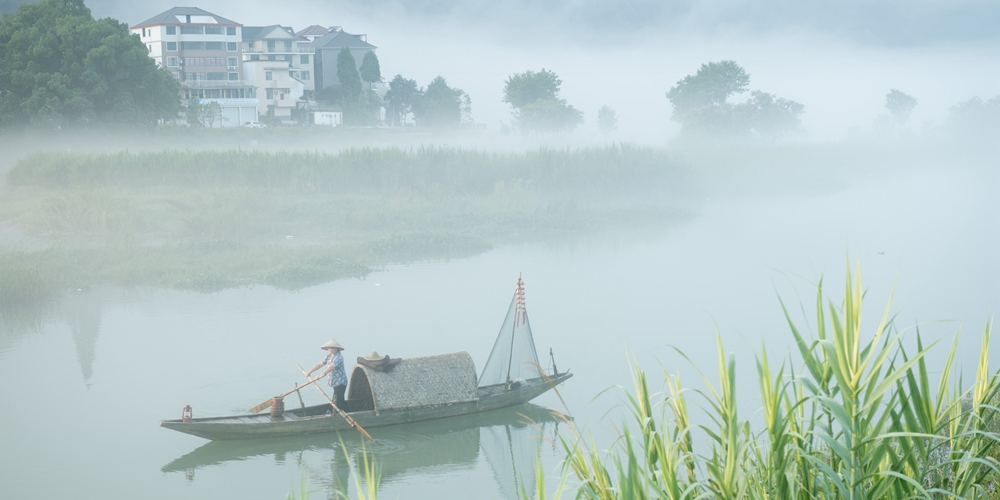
{"type": "Point", "coordinates": [168, 17]}
{"type": "Point", "coordinates": [339, 40]}
{"type": "Point", "coordinates": [259, 32]}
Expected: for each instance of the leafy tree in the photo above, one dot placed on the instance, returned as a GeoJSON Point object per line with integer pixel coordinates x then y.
{"type": "Point", "coordinates": [535, 100]}
{"type": "Point", "coordinates": [710, 86]}
{"type": "Point", "coordinates": [60, 65]}
{"type": "Point", "coordinates": [522, 89]}
{"type": "Point", "coordinates": [701, 105]}
{"type": "Point", "coordinates": [441, 106]}
{"type": "Point", "coordinates": [347, 74]}
{"type": "Point", "coordinates": [768, 116]}
{"type": "Point", "coordinates": [607, 120]}
{"type": "Point", "coordinates": [900, 105]}
{"type": "Point", "coordinates": [976, 118]}
{"type": "Point", "coordinates": [400, 98]}
{"type": "Point", "coordinates": [370, 70]}
{"type": "Point", "coordinates": [203, 114]}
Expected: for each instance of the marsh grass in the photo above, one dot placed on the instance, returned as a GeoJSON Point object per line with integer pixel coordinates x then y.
{"type": "Point", "coordinates": [859, 418]}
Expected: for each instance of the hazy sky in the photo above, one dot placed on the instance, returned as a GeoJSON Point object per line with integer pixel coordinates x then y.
{"type": "Point", "coordinates": [837, 58]}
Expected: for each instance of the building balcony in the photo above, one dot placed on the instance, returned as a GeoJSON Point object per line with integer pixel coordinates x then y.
{"type": "Point", "coordinates": [203, 84]}
{"type": "Point", "coordinates": [308, 50]}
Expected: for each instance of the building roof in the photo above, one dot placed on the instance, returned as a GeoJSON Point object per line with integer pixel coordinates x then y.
{"type": "Point", "coordinates": [415, 382]}
{"type": "Point", "coordinates": [174, 16]}
{"type": "Point", "coordinates": [314, 30]}
{"type": "Point", "coordinates": [341, 39]}
{"type": "Point", "coordinates": [262, 32]}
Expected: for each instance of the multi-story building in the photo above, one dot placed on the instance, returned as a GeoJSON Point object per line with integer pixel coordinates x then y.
{"type": "Point", "coordinates": [279, 64]}
{"type": "Point", "coordinates": [204, 52]}
{"type": "Point", "coordinates": [328, 47]}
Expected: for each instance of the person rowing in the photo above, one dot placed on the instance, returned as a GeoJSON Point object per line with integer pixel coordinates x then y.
{"type": "Point", "coordinates": [333, 364]}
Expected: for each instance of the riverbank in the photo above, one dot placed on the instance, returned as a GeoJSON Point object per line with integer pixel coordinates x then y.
{"type": "Point", "coordinates": [209, 220]}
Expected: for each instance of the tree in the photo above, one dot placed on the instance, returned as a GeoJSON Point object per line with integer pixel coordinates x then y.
{"type": "Point", "coordinates": [976, 118]}
{"type": "Point", "coordinates": [710, 86]}
{"type": "Point", "coordinates": [60, 65]}
{"type": "Point", "coordinates": [347, 74]}
{"type": "Point", "coordinates": [767, 116]}
{"type": "Point", "coordinates": [701, 105]}
{"type": "Point", "coordinates": [400, 98]}
{"type": "Point", "coordinates": [536, 105]}
{"type": "Point", "coordinates": [370, 70]}
{"type": "Point", "coordinates": [201, 114]}
{"type": "Point", "coordinates": [607, 120]}
{"type": "Point", "coordinates": [441, 106]}
{"type": "Point", "coordinates": [900, 105]}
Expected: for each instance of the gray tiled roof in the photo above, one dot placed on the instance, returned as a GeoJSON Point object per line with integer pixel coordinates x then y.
{"type": "Point", "coordinates": [314, 30]}
{"type": "Point", "coordinates": [168, 17]}
{"type": "Point", "coordinates": [340, 39]}
{"type": "Point", "coordinates": [259, 32]}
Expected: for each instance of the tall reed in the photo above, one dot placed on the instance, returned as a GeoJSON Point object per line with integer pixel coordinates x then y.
{"type": "Point", "coordinates": [859, 418]}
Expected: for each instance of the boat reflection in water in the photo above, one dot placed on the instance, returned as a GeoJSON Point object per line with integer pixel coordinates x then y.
{"type": "Point", "coordinates": [510, 440]}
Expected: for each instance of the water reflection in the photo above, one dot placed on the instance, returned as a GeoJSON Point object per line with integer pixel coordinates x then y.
{"type": "Point", "coordinates": [509, 439]}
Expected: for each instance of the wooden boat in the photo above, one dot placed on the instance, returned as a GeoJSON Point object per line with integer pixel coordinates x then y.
{"type": "Point", "coordinates": [415, 389]}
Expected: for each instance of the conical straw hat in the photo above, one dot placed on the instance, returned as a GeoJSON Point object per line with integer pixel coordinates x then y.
{"type": "Point", "coordinates": [332, 343]}
{"type": "Point", "coordinates": [374, 356]}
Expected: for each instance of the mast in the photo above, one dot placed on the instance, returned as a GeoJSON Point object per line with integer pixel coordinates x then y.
{"type": "Point", "coordinates": [518, 311]}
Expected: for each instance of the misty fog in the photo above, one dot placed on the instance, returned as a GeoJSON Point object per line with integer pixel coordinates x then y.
{"type": "Point", "coordinates": [170, 265]}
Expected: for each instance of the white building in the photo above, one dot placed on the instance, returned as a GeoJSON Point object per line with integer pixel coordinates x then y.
{"type": "Point", "coordinates": [204, 52]}
{"type": "Point", "coordinates": [279, 65]}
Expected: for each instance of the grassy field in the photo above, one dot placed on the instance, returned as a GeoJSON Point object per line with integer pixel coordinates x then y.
{"type": "Point", "coordinates": [210, 220]}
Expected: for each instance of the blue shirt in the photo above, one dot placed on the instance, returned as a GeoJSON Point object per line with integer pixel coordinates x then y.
{"type": "Point", "coordinates": [337, 375]}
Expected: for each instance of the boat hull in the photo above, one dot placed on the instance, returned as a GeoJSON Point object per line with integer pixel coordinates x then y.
{"type": "Point", "coordinates": [314, 419]}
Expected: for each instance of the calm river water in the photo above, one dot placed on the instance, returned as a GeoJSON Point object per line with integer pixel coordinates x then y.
{"type": "Point", "coordinates": [84, 381]}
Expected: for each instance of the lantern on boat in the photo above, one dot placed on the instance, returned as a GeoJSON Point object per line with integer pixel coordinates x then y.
{"type": "Point", "coordinates": [186, 414]}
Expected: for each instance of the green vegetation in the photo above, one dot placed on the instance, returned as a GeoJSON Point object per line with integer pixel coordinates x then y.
{"type": "Point", "coordinates": [440, 106]}
{"type": "Point", "coordinates": [60, 66]}
{"type": "Point", "coordinates": [607, 120]}
{"type": "Point", "coordinates": [859, 419]}
{"type": "Point", "coordinates": [211, 220]}
{"type": "Point", "coordinates": [701, 106]}
{"type": "Point", "coordinates": [537, 107]}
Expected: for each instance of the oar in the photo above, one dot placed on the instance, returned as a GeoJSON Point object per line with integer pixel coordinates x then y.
{"type": "Point", "coordinates": [347, 417]}
{"type": "Point", "coordinates": [267, 404]}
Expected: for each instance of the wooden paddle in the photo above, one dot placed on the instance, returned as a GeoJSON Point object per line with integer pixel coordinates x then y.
{"type": "Point", "coordinates": [347, 417]}
{"type": "Point", "coordinates": [267, 404]}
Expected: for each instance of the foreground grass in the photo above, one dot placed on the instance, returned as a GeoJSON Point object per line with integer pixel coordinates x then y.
{"type": "Point", "coordinates": [859, 418]}
{"type": "Point", "coordinates": [212, 220]}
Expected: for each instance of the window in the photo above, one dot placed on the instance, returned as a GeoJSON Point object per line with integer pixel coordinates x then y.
{"type": "Point", "coordinates": [288, 45]}
{"type": "Point", "coordinates": [149, 48]}
{"type": "Point", "coordinates": [192, 30]}
{"type": "Point", "coordinates": [305, 75]}
{"type": "Point", "coordinates": [268, 76]}
{"type": "Point", "coordinates": [254, 57]}
{"type": "Point", "coordinates": [269, 93]}
{"type": "Point", "coordinates": [176, 75]}
{"type": "Point", "coordinates": [144, 32]}
{"type": "Point", "coordinates": [270, 45]}
{"type": "Point", "coordinates": [285, 57]}
{"type": "Point", "coordinates": [230, 61]}
{"type": "Point", "coordinates": [234, 77]}
{"type": "Point", "coordinates": [217, 76]}
{"type": "Point", "coordinates": [171, 46]}
{"type": "Point", "coordinates": [304, 59]}
{"type": "Point", "coordinates": [192, 45]}
{"type": "Point", "coordinates": [214, 46]}
{"type": "Point", "coordinates": [172, 62]}
{"type": "Point", "coordinates": [214, 30]}
{"type": "Point", "coordinates": [171, 30]}
{"type": "Point", "coordinates": [231, 46]}
{"type": "Point", "coordinates": [231, 30]}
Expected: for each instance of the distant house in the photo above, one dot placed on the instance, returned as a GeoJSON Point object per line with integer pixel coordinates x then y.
{"type": "Point", "coordinates": [279, 64]}
{"type": "Point", "coordinates": [203, 51]}
{"type": "Point", "coordinates": [328, 47]}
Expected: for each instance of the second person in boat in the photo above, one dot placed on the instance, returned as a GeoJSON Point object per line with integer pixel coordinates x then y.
{"type": "Point", "coordinates": [333, 364]}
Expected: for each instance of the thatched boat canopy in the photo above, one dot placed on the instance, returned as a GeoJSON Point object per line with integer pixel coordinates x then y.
{"type": "Point", "coordinates": [415, 382]}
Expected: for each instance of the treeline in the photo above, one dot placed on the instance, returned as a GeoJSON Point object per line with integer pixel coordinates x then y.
{"type": "Point", "coordinates": [371, 169]}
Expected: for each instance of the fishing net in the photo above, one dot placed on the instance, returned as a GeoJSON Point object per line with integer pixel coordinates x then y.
{"type": "Point", "coordinates": [511, 452]}
{"type": "Point", "coordinates": [513, 356]}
